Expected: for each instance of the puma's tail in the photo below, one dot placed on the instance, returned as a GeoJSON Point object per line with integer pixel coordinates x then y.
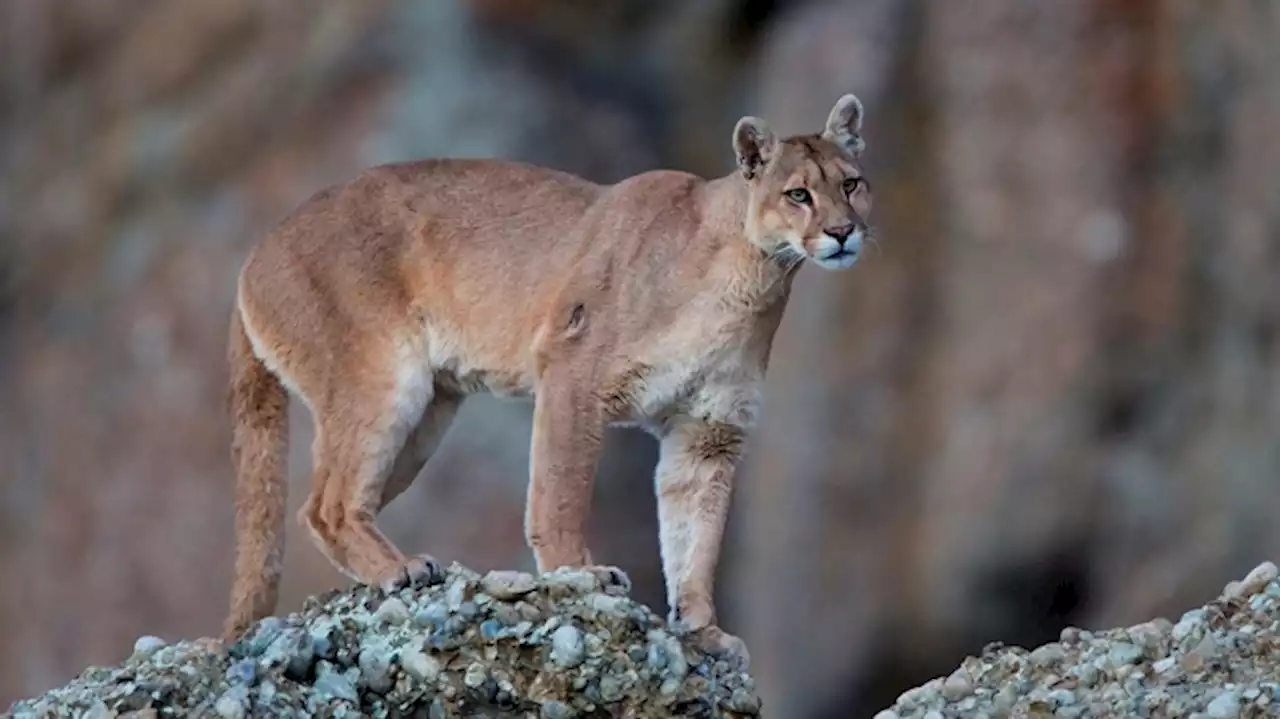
{"type": "Point", "coordinates": [259, 415]}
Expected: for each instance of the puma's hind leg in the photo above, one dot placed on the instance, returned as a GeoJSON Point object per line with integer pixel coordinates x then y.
{"type": "Point", "coordinates": [360, 438]}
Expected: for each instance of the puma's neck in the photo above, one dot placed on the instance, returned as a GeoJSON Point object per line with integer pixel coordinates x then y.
{"type": "Point", "coordinates": [750, 276]}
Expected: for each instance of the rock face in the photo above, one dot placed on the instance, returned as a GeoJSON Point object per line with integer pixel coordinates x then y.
{"type": "Point", "coordinates": [505, 644]}
{"type": "Point", "coordinates": [1220, 661]}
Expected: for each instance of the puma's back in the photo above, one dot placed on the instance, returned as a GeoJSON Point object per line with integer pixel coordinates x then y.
{"type": "Point", "coordinates": [439, 239]}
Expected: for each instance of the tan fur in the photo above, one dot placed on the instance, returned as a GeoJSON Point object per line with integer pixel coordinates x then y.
{"type": "Point", "coordinates": [653, 302]}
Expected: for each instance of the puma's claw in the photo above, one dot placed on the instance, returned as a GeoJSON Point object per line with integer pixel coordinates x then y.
{"type": "Point", "coordinates": [419, 570]}
{"type": "Point", "coordinates": [723, 645]}
{"type": "Point", "coordinates": [715, 641]}
{"type": "Point", "coordinates": [611, 577]}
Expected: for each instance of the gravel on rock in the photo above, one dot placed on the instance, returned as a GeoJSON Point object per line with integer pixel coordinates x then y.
{"type": "Point", "coordinates": [1220, 661]}
{"type": "Point", "coordinates": [507, 644]}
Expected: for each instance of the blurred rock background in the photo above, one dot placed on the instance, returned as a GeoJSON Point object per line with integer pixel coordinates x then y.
{"type": "Point", "coordinates": [1051, 397]}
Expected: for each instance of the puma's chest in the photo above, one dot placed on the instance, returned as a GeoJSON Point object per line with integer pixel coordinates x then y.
{"type": "Point", "coordinates": [716, 376]}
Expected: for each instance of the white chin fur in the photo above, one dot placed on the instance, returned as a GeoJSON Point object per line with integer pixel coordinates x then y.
{"type": "Point", "coordinates": [827, 254]}
{"type": "Point", "coordinates": [843, 262]}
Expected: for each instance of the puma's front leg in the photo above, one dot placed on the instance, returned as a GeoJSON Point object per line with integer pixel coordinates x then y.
{"type": "Point", "coordinates": [694, 482]}
{"type": "Point", "coordinates": [568, 431]}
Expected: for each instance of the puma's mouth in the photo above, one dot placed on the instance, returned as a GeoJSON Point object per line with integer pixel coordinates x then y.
{"type": "Point", "coordinates": [837, 260]}
{"type": "Point", "coordinates": [832, 255]}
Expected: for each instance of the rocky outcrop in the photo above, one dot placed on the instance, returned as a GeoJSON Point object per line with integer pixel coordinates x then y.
{"type": "Point", "coordinates": [505, 644]}
{"type": "Point", "coordinates": [564, 645]}
{"type": "Point", "coordinates": [1218, 661]}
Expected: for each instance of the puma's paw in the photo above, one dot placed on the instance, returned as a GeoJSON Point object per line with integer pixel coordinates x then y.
{"type": "Point", "coordinates": [611, 578]}
{"type": "Point", "coordinates": [723, 645]}
{"type": "Point", "coordinates": [418, 570]}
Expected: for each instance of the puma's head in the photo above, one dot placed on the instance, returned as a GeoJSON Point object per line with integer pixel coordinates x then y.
{"type": "Point", "coordinates": [809, 198]}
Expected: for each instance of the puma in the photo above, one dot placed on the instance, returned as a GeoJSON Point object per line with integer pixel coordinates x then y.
{"type": "Point", "coordinates": [383, 302]}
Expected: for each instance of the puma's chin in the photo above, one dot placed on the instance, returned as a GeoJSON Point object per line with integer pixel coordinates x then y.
{"type": "Point", "coordinates": [829, 254]}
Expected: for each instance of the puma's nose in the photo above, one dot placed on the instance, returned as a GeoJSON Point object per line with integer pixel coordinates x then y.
{"type": "Point", "coordinates": [840, 233]}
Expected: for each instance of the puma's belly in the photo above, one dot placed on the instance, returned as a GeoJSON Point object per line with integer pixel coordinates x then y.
{"type": "Point", "coordinates": [477, 367]}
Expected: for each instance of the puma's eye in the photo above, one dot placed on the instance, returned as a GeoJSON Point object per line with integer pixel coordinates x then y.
{"type": "Point", "coordinates": [799, 196]}
{"type": "Point", "coordinates": [852, 184]}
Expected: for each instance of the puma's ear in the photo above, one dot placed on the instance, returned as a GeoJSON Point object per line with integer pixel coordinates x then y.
{"type": "Point", "coordinates": [844, 124]}
{"type": "Point", "coordinates": [753, 144]}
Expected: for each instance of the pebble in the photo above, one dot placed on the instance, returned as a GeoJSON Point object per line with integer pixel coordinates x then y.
{"type": "Point", "coordinates": [565, 581]}
{"type": "Point", "coordinates": [610, 689]}
{"type": "Point", "coordinates": [743, 701]}
{"type": "Point", "coordinates": [419, 665]}
{"type": "Point", "coordinates": [1207, 647]}
{"type": "Point", "coordinates": [147, 645]}
{"type": "Point", "coordinates": [1148, 635]}
{"type": "Point", "coordinates": [567, 647]}
{"type": "Point", "coordinates": [230, 706]}
{"type": "Point", "coordinates": [292, 648]}
{"type": "Point", "coordinates": [609, 604]}
{"type": "Point", "coordinates": [1189, 623]}
{"type": "Point", "coordinates": [457, 593]}
{"type": "Point", "coordinates": [304, 655]}
{"type": "Point", "coordinates": [556, 709]}
{"type": "Point", "coordinates": [475, 675]}
{"type": "Point", "coordinates": [321, 640]}
{"type": "Point", "coordinates": [1047, 654]}
{"type": "Point", "coordinates": [243, 672]}
{"type": "Point", "coordinates": [1258, 579]}
{"type": "Point", "coordinates": [508, 585]}
{"type": "Point", "coordinates": [1005, 698]}
{"type": "Point", "coordinates": [1062, 697]}
{"type": "Point", "coordinates": [332, 685]}
{"type": "Point", "coordinates": [595, 645]}
{"type": "Point", "coordinates": [375, 667]}
{"type": "Point", "coordinates": [468, 611]}
{"type": "Point", "coordinates": [957, 686]}
{"type": "Point", "coordinates": [392, 611]}
{"type": "Point", "coordinates": [1224, 706]}
{"type": "Point", "coordinates": [1123, 653]}
{"type": "Point", "coordinates": [492, 629]}
{"type": "Point", "coordinates": [97, 710]}
{"type": "Point", "coordinates": [676, 664]}
{"type": "Point", "coordinates": [432, 615]}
